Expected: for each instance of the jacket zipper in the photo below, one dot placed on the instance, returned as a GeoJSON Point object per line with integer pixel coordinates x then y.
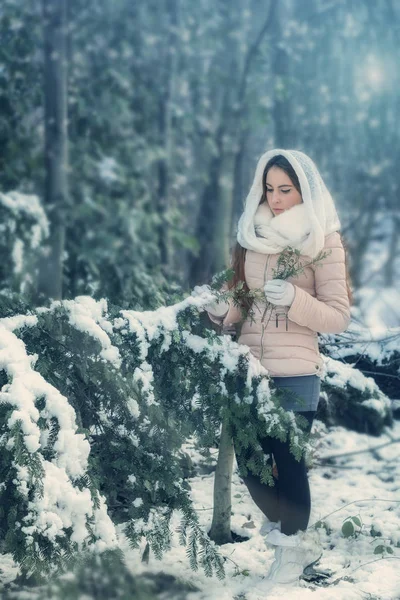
{"type": "Point", "coordinates": [266, 308]}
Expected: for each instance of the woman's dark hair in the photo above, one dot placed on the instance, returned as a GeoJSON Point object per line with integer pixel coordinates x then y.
{"type": "Point", "coordinates": [239, 253]}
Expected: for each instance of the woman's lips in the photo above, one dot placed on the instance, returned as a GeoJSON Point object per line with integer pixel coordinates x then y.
{"type": "Point", "coordinates": [278, 209]}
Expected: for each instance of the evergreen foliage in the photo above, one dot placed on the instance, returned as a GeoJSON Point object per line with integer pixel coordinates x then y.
{"type": "Point", "coordinates": [21, 62]}
{"type": "Point", "coordinates": [134, 385]}
{"type": "Point", "coordinates": [137, 385]}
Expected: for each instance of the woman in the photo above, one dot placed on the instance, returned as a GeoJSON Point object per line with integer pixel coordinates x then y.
{"type": "Point", "coordinates": [288, 205]}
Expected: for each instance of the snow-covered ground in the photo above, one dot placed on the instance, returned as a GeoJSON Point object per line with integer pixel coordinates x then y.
{"type": "Point", "coordinates": [364, 485]}
{"type": "Point", "coordinates": [370, 481]}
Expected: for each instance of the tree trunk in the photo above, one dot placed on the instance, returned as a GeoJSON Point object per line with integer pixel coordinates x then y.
{"type": "Point", "coordinates": [211, 221]}
{"type": "Point", "coordinates": [241, 120]}
{"type": "Point", "coordinates": [56, 145]}
{"type": "Point", "coordinates": [389, 268]}
{"type": "Point", "coordinates": [165, 135]}
{"type": "Point", "coordinates": [220, 531]}
{"type": "Point", "coordinates": [362, 238]}
{"type": "Point", "coordinates": [282, 113]}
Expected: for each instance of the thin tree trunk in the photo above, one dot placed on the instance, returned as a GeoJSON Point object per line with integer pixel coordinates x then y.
{"type": "Point", "coordinates": [240, 121]}
{"type": "Point", "coordinates": [280, 65]}
{"type": "Point", "coordinates": [165, 133]}
{"type": "Point", "coordinates": [366, 222]}
{"type": "Point", "coordinates": [220, 531]}
{"type": "Point", "coordinates": [238, 186]}
{"type": "Point", "coordinates": [211, 219]}
{"type": "Point", "coordinates": [56, 145]}
{"type": "Point", "coordinates": [216, 213]}
{"type": "Point", "coordinates": [389, 268]}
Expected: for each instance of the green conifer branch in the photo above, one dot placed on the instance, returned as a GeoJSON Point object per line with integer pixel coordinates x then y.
{"type": "Point", "coordinates": [289, 264]}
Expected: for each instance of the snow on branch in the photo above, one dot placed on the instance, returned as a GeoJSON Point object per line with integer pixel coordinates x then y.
{"type": "Point", "coordinates": [39, 420]}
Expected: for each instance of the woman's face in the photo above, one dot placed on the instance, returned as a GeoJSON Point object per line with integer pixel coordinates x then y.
{"type": "Point", "coordinates": [281, 193]}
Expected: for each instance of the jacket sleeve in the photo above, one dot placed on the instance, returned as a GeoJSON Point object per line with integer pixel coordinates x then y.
{"type": "Point", "coordinates": [329, 311]}
{"type": "Point", "coordinates": [233, 315]}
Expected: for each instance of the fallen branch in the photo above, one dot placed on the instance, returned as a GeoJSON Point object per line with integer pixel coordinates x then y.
{"type": "Point", "coordinates": [327, 458]}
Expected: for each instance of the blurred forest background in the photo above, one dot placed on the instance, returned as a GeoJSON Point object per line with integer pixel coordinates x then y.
{"type": "Point", "coordinates": [134, 128]}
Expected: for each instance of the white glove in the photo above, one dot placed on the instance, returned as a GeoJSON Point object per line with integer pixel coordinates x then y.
{"type": "Point", "coordinates": [215, 308]}
{"type": "Point", "coordinates": [199, 290]}
{"type": "Point", "coordinates": [280, 292]}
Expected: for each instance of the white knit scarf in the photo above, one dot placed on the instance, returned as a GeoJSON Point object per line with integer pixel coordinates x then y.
{"type": "Point", "coordinates": [303, 226]}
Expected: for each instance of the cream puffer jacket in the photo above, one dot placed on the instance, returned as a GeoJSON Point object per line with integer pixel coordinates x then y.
{"type": "Point", "coordinates": [287, 343]}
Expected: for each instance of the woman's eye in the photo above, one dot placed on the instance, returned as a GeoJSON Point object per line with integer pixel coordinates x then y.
{"type": "Point", "coordinates": [284, 191]}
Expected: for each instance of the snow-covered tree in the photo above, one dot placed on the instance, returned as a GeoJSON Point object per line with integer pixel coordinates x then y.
{"type": "Point", "coordinates": [96, 403]}
{"type": "Point", "coordinates": [24, 228]}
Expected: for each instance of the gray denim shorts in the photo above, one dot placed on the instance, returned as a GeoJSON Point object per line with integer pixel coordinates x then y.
{"type": "Point", "coordinates": [306, 388]}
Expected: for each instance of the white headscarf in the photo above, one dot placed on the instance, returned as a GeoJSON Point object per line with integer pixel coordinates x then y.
{"type": "Point", "coordinates": [304, 226]}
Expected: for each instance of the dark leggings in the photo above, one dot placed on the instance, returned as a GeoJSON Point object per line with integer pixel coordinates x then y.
{"type": "Point", "coordinates": [289, 499]}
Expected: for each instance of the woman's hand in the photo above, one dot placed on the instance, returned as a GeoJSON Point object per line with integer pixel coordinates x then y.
{"type": "Point", "coordinates": [200, 290]}
{"type": "Point", "coordinates": [280, 292]}
{"type": "Point", "coordinates": [215, 307]}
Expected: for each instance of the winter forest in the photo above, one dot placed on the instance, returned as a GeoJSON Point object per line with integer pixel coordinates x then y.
{"type": "Point", "coordinates": [129, 136]}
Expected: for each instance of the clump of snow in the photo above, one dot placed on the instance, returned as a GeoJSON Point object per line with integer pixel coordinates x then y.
{"type": "Point", "coordinates": [18, 256]}
{"type": "Point", "coordinates": [19, 321]}
{"type": "Point", "coordinates": [87, 315]}
{"type": "Point", "coordinates": [108, 168]}
{"type": "Point", "coordinates": [341, 375]}
{"type": "Point", "coordinates": [133, 407]}
{"type": "Point", "coordinates": [145, 375]}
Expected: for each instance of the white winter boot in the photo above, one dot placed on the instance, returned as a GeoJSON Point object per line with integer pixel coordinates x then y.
{"type": "Point", "coordinates": [293, 553]}
{"type": "Point", "coordinates": [268, 526]}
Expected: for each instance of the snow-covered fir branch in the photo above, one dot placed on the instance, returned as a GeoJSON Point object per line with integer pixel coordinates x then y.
{"type": "Point", "coordinates": [97, 396]}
